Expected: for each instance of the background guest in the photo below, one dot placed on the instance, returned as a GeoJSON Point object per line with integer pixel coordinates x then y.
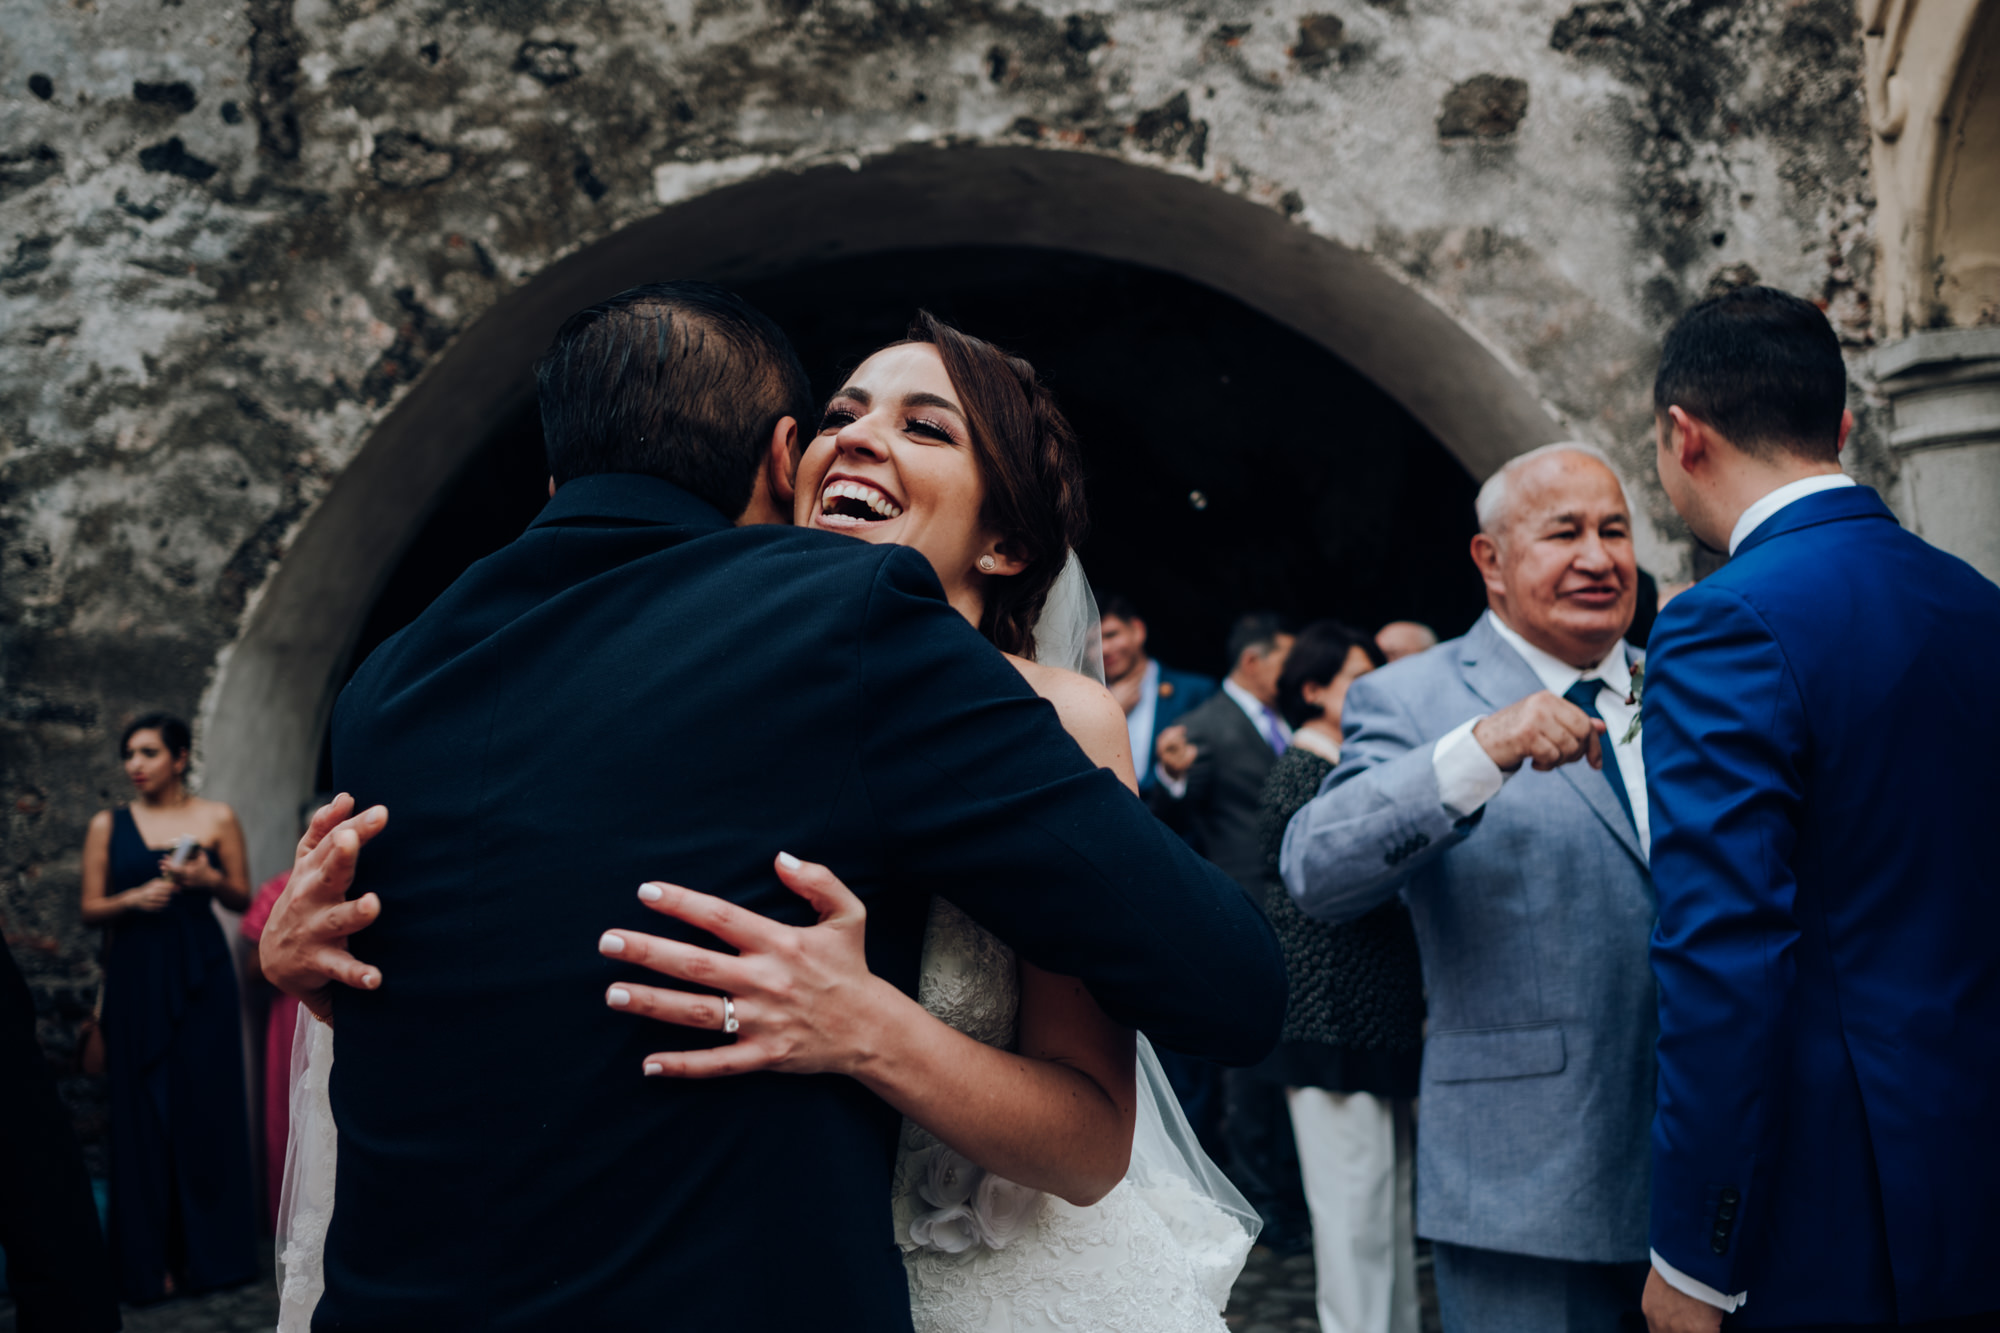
{"type": "Point", "coordinates": [1405, 638]}
{"type": "Point", "coordinates": [1211, 770]}
{"type": "Point", "coordinates": [1525, 872]}
{"type": "Point", "coordinates": [1153, 696]}
{"type": "Point", "coordinates": [1354, 1027]}
{"type": "Point", "coordinates": [57, 1269]}
{"type": "Point", "coordinates": [182, 1212]}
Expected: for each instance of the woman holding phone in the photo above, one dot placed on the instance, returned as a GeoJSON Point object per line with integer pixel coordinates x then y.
{"type": "Point", "coordinates": [182, 1211]}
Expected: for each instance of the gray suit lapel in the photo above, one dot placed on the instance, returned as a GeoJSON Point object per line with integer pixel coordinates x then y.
{"type": "Point", "coordinates": [1499, 676]}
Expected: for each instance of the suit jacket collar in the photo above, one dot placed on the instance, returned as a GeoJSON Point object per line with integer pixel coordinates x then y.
{"type": "Point", "coordinates": [1500, 676]}
{"type": "Point", "coordinates": [1824, 507]}
{"type": "Point", "coordinates": [1230, 717]}
{"type": "Point", "coordinates": [616, 499]}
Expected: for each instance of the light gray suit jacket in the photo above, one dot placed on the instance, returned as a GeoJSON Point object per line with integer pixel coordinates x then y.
{"type": "Point", "coordinates": [1533, 918]}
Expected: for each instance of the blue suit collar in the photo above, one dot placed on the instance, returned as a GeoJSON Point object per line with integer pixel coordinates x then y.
{"type": "Point", "coordinates": [629, 498]}
{"type": "Point", "coordinates": [1825, 507]}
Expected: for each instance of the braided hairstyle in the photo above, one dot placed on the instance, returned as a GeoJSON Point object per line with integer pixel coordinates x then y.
{"type": "Point", "coordinates": [1028, 462]}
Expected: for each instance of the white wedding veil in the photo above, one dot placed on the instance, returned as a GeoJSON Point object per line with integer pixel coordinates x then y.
{"type": "Point", "coordinates": [1210, 1218]}
{"type": "Point", "coordinates": [1069, 632]}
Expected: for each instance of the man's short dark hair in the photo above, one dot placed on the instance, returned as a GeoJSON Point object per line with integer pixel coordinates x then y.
{"type": "Point", "coordinates": [1259, 630]}
{"type": "Point", "coordinates": [1117, 606]}
{"type": "Point", "coordinates": [1760, 366]}
{"type": "Point", "coordinates": [678, 380]}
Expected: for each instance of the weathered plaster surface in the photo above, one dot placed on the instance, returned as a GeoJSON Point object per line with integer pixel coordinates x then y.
{"type": "Point", "coordinates": [231, 235]}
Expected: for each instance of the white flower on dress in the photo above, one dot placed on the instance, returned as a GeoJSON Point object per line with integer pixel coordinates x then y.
{"type": "Point", "coordinates": [1002, 1210]}
{"type": "Point", "coordinates": [969, 1205]}
{"type": "Point", "coordinates": [951, 1230]}
{"type": "Point", "coordinates": [948, 1177]}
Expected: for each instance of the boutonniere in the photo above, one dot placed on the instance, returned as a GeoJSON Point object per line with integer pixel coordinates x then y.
{"type": "Point", "coordinates": [1166, 689]}
{"type": "Point", "coordinates": [1636, 698]}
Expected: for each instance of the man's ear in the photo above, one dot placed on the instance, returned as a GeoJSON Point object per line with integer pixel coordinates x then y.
{"type": "Point", "coordinates": [1486, 559]}
{"type": "Point", "coordinates": [1846, 427]}
{"type": "Point", "coordinates": [783, 463]}
{"type": "Point", "coordinates": [1690, 441]}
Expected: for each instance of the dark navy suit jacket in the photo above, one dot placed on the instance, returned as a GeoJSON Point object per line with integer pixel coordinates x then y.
{"type": "Point", "coordinates": [636, 689]}
{"type": "Point", "coordinates": [1821, 720]}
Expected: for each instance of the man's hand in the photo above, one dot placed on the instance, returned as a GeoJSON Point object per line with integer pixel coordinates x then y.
{"type": "Point", "coordinates": [1670, 1311]}
{"type": "Point", "coordinates": [1543, 728]}
{"type": "Point", "coordinates": [1175, 753]}
{"type": "Point", "coordinates": [304, 949]}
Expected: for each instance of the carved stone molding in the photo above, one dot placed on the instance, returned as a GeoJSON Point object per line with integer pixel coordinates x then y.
{"type": "Point", "coordinates": [1944, 387]}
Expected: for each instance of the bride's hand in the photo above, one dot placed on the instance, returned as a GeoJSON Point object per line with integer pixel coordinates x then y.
{"type": "Point", "coordinates": [802, 996]}
{"type": "Point", "coordinates": [304, 948]}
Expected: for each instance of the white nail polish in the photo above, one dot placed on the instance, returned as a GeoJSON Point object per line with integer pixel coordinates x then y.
{"type": "Point", "coordinates": [610, 944]}
{"type": "Point", "coordinates": [652, 1068]}
{"type": "Point", "coordinates": [650, 893]}
{"type": "Point", "coordinates": [619, 997]}
{"type": "Point", "coordinates": [788, 861]}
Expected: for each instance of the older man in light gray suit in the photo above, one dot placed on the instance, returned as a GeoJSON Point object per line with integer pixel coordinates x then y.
{"type": "Point", "coordinates": [1496, 783]}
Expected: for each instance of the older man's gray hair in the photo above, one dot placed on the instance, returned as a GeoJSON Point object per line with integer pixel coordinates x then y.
{"type": "Point", "coordinates": [1496, 495]}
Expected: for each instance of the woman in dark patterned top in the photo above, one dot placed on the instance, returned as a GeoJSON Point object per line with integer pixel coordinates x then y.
{"type": "Point", "coordinates": [1353, 1034]}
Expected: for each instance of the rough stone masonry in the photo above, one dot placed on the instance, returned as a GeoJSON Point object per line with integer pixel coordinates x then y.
{"type": "Point", "coordinates": [232, 234]}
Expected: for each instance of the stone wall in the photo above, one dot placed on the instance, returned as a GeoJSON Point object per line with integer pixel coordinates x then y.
{"type": "Point", "coordinates": [233, 235]}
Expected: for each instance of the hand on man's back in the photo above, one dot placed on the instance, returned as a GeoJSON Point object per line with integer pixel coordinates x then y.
{"type": "Point", "coordinates": [1544, 729]}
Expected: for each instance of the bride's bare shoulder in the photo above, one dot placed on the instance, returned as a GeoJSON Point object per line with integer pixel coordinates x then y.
{"type": "Point", "coordinates": [1087, 710]}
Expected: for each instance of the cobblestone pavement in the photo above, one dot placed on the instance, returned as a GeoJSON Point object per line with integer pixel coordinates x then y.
{"type": "Point", "coordinates": [1273, 1296]}
{"type": "Point", "coordinates": [251, 1309]}
{"type": "Point", "coordinates": [1276, 1295]}
{"type": "Point", "coordinates": [247, 1309]}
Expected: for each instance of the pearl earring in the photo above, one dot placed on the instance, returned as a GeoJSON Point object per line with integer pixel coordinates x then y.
{"type": "Point", "coordinates": [987, 564]}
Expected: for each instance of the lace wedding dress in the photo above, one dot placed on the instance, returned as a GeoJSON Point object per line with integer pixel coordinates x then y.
{"type": "Point", "coordinates": [1156, 1255]}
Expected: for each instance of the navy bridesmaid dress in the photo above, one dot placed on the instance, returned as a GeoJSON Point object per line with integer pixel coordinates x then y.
{"type": "Point", "coordinates": [181, 1195]}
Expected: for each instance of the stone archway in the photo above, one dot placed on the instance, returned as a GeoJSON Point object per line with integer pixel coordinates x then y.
{"type": "Point", "coordinates": [263, 715]}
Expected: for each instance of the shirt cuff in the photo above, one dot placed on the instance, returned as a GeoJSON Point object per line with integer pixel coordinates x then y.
{"type": "Point", "coordinates": [1467, 777]}
{"type": "Point", "coordinates": [1175, 787]}
{"type": "Point", "coordinates": [1701, 1291]}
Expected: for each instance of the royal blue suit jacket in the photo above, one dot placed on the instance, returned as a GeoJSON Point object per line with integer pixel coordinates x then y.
{"type": "Point", "coordinates": [636, 689]}
{"type": "Point", "coordinates": [1179, 692]}
{"type": "Point", "coordinates": [1820, 726]}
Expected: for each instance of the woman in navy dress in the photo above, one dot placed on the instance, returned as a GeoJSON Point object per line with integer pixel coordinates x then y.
{"type": "Point", "coordinates": [182, 1208]}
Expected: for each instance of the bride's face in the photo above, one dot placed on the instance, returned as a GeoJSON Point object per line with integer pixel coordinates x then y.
{"type": "Point", "coordinates": [893, 462]}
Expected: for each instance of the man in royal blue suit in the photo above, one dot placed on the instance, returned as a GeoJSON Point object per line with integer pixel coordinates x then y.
{"type": "Point", "coordinates": [1819, 727]}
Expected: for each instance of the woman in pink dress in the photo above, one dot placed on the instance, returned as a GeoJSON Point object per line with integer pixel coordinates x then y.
{"type": "Point", "coordinates": [280, 1023]}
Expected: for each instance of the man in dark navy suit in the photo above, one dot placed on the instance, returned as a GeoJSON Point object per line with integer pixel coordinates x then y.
{"type": "Point", "coordinates": [1819, 724]}
{"type": "Point", "coordinates": [660, 677]}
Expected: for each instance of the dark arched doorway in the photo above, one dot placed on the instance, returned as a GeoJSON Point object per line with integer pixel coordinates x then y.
{"type": "Point", "coordinates": [263, 717]}
{"type": "Point", "coordinates": [1234, 464]}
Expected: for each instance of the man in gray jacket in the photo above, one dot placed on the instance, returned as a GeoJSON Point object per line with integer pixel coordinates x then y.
{"type": "Point", "coordinates": [1460, 787]}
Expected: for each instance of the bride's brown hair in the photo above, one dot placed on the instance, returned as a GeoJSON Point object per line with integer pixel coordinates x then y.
{"type": "Point", "coordinates": [1027, 457]}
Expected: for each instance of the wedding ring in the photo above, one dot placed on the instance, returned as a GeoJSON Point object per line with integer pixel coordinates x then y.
{"type": "Point", "coordinates": [728, 1014]}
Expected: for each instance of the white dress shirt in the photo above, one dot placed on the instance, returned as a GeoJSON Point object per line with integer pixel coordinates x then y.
{"type": "Point", "coordinates": [1253, 709]}
{"type": "Point", "coordinates": [1467, 776]}
{"type": "Point", "coordinates": [1139, 722]}
{"type": "Point", "coordinates": [1753, 517]}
